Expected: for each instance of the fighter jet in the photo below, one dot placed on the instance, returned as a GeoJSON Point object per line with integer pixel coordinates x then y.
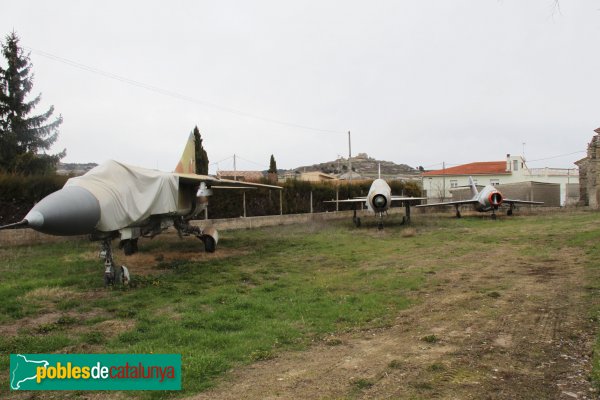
{"type": "Point", "coordinates": [489, 199]}
{"type": "Point", "coordinates": [378, 201]}
{"type": "Point", "coordinates": [115, 200]}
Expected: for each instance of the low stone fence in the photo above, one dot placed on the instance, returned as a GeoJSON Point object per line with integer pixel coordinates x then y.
{"type": "Point", "coordinates": [15, 237]}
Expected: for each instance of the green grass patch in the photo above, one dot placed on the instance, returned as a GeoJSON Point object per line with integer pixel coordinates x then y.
{"type": "Point", "coordinates": [272, 290]}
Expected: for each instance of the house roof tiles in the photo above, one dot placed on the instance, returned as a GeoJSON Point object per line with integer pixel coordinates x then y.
{"type": "Point", "coordinates": [475, 168]}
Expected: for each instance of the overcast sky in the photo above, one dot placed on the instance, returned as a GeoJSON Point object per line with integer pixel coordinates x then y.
{"type": "Point", "coordinates": [416, 82]}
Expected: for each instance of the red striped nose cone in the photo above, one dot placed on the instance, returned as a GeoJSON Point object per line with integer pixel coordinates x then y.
{"type": "Point", "coordinates": [495, 199]}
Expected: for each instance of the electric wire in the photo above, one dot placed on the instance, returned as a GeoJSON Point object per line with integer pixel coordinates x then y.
{"type": "Point", "coordinates": [175, 94]}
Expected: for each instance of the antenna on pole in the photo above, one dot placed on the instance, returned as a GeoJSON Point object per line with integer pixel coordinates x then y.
{"type": "Point", "coordinates": [349, 156]}
{"type": "Point", "coordinates": [234, 169]}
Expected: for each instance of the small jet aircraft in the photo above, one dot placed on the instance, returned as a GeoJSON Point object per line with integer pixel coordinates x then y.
{"type": "Point", "coordinates": [489, 199]}
{"type": "Point", "coordinates": [378, 201]}
{"type": "Point", "coordinates": [115, 200]}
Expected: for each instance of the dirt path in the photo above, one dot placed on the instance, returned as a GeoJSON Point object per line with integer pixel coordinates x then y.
{"type": "Point", "coordinates": [503, 330]}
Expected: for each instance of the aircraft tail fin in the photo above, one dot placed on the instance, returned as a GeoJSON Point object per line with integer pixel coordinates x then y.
{"type": "Point", "coordinates": [474, 190]}
{"type": "Point", "coordinates": [187, 163]}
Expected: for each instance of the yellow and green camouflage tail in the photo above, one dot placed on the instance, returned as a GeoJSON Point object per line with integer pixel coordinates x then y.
{"type": "Point", "coordinates": [187, 163]}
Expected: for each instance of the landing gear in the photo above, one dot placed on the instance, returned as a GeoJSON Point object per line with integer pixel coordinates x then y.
{"type": "Point", "coordinates": [209, 236]}
{"type": "Point", "coordinates": [129, 246]}
{"type": "Point", "coordinates": [458, 212]}
{"type": "Point", "coordinates": [380, 222]}
{"type": "Point", "coordinates": [509, 212]}
{"type": "Point", "coordinates": [494, 212]}
{"type": "Point", "coordinates": [210, 244]}
{"type": "Point", "coordinates": [406, 218]}
{"type": "Point", "coordinates": [113, 275]}
{"type": "Point", "coordinates": [356, 220]}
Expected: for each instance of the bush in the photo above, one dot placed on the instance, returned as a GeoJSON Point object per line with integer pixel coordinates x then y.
{"type": "Point", "coordinates": [18, 193]}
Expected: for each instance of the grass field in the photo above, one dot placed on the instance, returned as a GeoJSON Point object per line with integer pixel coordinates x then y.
{"type": "Point", "coordinates": [270, 291]}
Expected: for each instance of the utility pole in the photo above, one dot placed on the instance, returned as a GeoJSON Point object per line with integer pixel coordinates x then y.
{"type": "Point", "coordinates": [349, 156]}
{"type": "Point", "coordinates": [234, 169]}
{"type": "Point", "coordinates": [444, 180]}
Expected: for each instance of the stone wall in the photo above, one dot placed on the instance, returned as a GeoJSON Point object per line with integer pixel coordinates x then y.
{"type": "Point", "coordinates": [589, 174]}
{"type": "Point", "coordinates": [15, 237]}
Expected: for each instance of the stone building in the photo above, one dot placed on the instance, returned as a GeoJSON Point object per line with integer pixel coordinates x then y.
{"type": "Point", "coordinates": [589, 174]}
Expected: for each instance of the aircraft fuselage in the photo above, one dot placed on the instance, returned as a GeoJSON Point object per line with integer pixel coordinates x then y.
{"type": "Point", "coordinates": [379, 197]}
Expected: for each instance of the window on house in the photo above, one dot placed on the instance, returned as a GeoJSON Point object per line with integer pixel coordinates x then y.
{"type": "Point", "coordinates": [494, 182]}
{"type": "Point", "coordinates": [515, 165]}
{"type": "Point", "coordinates": [453, 183]}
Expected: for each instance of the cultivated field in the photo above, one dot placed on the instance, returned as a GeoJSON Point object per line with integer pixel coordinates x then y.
{"type": "Point", "coordinates": [445, 309]}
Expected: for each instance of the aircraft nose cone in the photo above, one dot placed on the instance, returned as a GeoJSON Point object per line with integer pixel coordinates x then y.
{"type": "Point", "coordinates": [70, 211]}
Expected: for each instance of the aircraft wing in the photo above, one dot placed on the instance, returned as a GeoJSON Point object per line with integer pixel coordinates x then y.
{"type": "Point", "coordinates": [355, 200]}
{"type": "Point", "coordinates": [448, 203]}
{"type": "Point", "coordinates": [402, 198]}
{"type": "Point", "coordinates": [511, 201]}
{"type": "Point", "coordinates": [214, 182]}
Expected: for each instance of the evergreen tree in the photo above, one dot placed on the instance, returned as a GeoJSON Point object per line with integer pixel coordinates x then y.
{"type": "Point", "coordinates": [201, 156]}
{"type": "Point", "coordinates": [23, 135]}
{"type": "Point", "coordinates": [272, 165]}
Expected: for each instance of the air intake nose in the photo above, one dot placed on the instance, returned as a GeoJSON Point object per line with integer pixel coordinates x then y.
{"type": "Point", "coordinates": [71, 210]}
{"type": "Point", "coordinates": [379, 201]}
{"type": "Point", "coordinates": [495, 199]}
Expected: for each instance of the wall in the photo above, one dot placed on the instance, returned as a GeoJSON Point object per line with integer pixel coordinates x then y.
{"type": "Point", "coordinates": [15, 237]}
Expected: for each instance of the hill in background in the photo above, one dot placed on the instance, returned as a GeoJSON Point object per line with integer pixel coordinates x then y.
{"type": "Point", "coordinates": [362, 164]}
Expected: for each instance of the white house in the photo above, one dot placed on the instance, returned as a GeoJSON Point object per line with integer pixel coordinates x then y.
{"type": "Point", "coordinates": [512, 170]}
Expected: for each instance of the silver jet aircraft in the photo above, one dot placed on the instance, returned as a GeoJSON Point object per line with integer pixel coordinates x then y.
{"type": "Point", "coordinates": [115, 200]}
{"type": "Point", "coordinates": [378, 201]}
{"type": "Point", "coordinates": [489, 199]}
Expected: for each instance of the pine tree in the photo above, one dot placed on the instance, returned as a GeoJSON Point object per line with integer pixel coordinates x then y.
{"type": "Point", "coordinates": [23, 135]}
{"type": "Point", "coordinates": [272, 165]}
{"type": "Point", "coordinates": [201, 155]}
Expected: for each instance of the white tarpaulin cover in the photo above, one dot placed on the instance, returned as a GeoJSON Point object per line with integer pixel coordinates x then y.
{"type": "Point", "coordinates": [127, 194]}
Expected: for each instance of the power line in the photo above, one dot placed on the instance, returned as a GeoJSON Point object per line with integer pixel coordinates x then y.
{"type": "Point", "coordinates": [252, 162]}
{"type": "Point", "coordinates": [220, 161]}
{"type": "Point", "coordinates": [558, 156]}
{"type": "Point", "coordinates": [174, 94]}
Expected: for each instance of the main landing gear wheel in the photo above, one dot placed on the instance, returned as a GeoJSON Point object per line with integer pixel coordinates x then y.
{"type": "Point", "coordinates": [494, 216]}
{"type": "Point", "coordinates": [209, 244]}
{"type": "Point", "coordinates": [458, 214]}
{"type": "Point", "coordinates": [509, 212]}
{"type": "Point", "coordinates": [130, 246]}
